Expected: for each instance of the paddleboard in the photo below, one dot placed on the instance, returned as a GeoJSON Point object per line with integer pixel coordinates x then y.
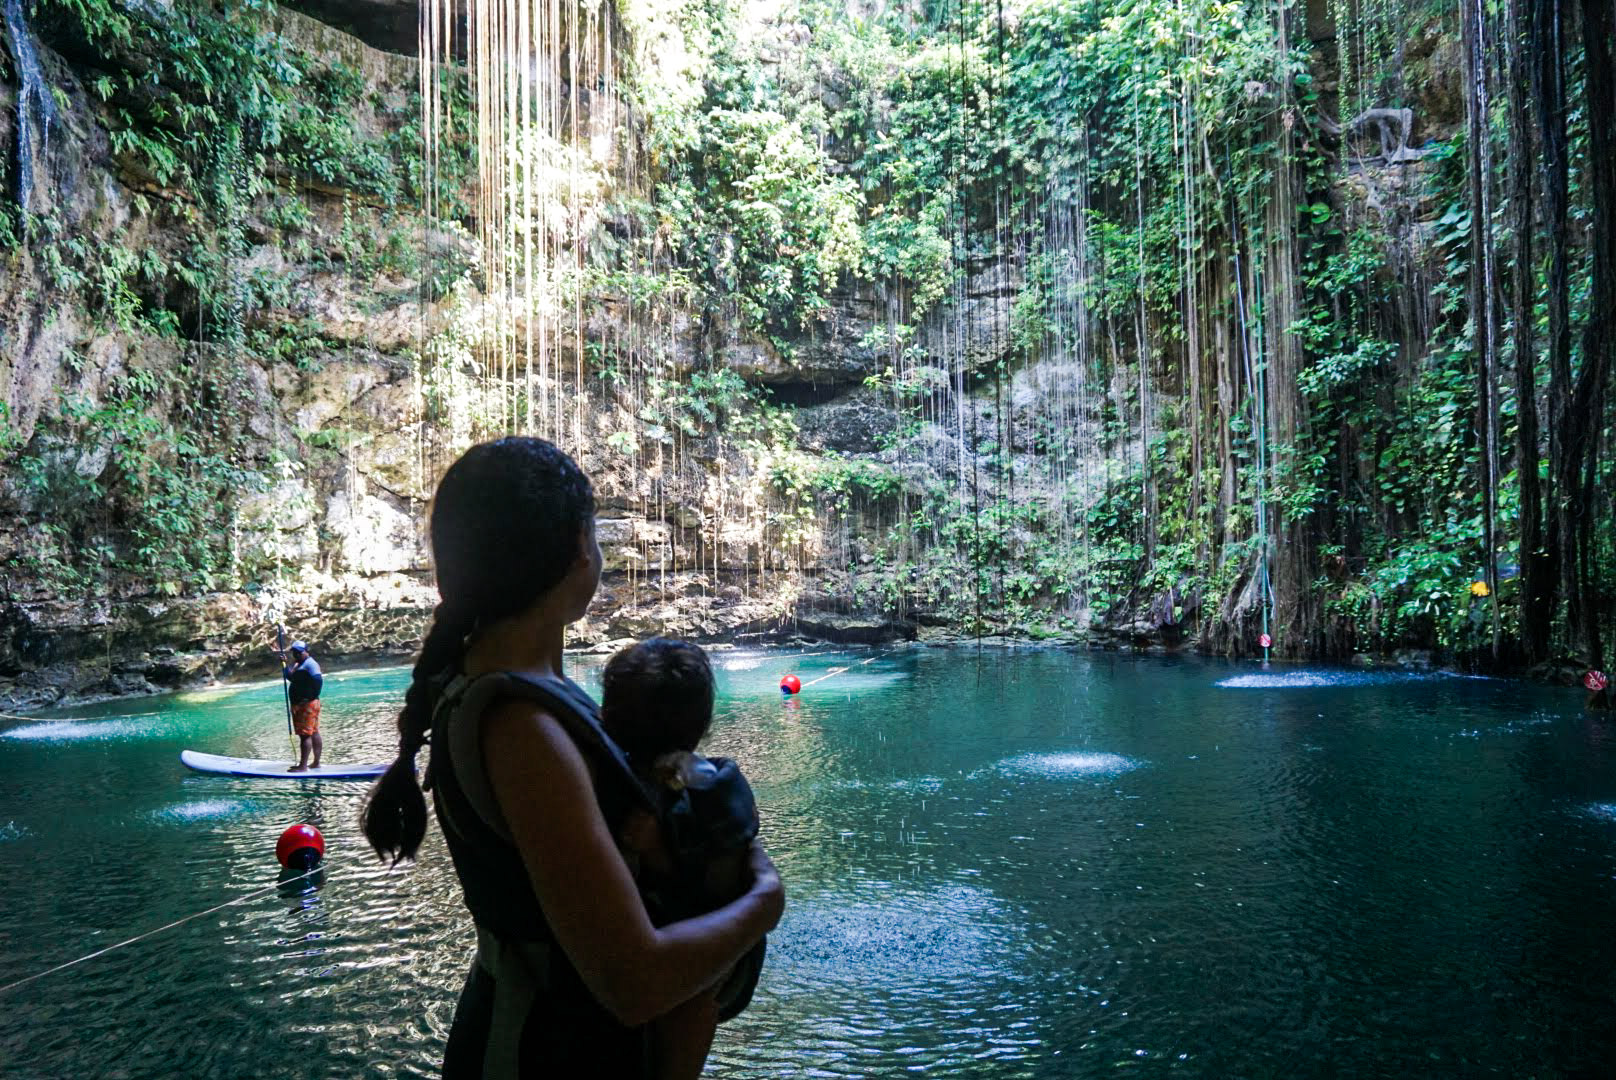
{"type": "Point", "coordinates": [277, 770]}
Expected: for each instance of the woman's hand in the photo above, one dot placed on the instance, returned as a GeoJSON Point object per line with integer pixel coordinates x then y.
{"type": "Point", "coordinates": [767, 888]}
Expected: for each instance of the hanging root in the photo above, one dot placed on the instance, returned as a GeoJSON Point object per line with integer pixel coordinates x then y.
{"type": "Point", "coordinates": [1392, 126]}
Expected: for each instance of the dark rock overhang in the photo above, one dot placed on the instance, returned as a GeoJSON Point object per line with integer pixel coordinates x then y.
{"type": "Point", "coordinates": [391, 25]}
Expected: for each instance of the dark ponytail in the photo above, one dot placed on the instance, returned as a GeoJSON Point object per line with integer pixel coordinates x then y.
{"type": "Point", "coordinates": [505, 526]}
{"type": "Point", "coordinates": [394, 813]}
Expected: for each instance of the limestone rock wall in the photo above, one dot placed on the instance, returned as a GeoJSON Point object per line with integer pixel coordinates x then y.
{"type": "Point", "coordinates": [317, 412]}
{"type": "Point", "coordinates": [323, 412]}
{"type": "Point", "coordinates": [338, 424]}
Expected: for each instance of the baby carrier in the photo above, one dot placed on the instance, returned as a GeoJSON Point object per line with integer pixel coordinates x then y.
{"type": "Point", "coordinates": [712, 816]}
{"type": "Point", "coordinates": [513, 943]}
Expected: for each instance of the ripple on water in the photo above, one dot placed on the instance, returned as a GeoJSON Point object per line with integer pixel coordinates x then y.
{"type": "Point", "coordinates": [925, 785]}
{"type": "Point", "coordinates": [953, 934]}
{"type": "Point", "coordinates": [12, 831]}
{"type": "Point", "coordinates": [1290, 680]}
{"type": "Point", "coordinates": [203, 810]}
{"type": "Point", "coordinates": [1064, 764]}
{"type": "Point", "coordinates": [878, 979]}
{"type": "Point", "coordinates": [1602, 811]}
{"type": "Point", "coordinates": [1537, 723]}
{"type": "Point", "coordinates": [74, 730]}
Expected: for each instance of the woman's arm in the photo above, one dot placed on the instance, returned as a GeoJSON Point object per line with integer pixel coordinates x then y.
{"type": "Point", "coordinates": [636, 970]}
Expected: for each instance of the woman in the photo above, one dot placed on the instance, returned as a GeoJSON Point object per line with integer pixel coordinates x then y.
{"type": "Point", "coordinates": [529, 791]}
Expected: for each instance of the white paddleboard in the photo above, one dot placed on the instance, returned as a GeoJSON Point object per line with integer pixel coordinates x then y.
{"type": "Point", "coordinates": [240, 766]}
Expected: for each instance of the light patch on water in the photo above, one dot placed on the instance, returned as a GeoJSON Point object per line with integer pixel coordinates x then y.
{"type": "Point", "coordinates": [72, 730]}
{"type": "Point", "coordinates": [209, 694]}
{"type": "Point", "coordinates": [202, 810]}
{"type": "Point", "coordinates": [1266, 682]}
{"type": "Point", "coordinates": [1071, 763]}
{"type": "Point", "coordinates": [752, 659]}
{"type": "Point", "coordinates": [953, 933]}
{"type": "Point", "coordinates": [1290, 680]}
{"type": "Point", "coordinates": [12, 831]}
{"type": "Point", "coordinates": [1604, 811]}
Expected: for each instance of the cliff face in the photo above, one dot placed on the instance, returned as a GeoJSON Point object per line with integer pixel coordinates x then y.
{"type": "Point", "coordinates": [209, 421]}
{"type": "Point", "coordinates": [220, 420]}
{"type": "Point", "coordinates": [235, 355]}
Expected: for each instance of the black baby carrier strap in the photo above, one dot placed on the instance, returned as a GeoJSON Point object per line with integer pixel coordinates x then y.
{"type": "Point", "coordinates": [617, 787]}
{"type": "Point", "coordinates": [513, 942]}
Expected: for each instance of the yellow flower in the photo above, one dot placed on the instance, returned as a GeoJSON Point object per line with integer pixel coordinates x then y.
{"type": "Point", "coordinates": [1479, 588]}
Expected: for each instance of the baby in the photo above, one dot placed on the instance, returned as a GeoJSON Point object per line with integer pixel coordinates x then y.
{"type": "Point", "coordinates": [656, 704]}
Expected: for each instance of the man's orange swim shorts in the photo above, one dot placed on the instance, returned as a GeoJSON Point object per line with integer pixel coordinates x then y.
{"type": "Point", "coordinates": [306, 718]}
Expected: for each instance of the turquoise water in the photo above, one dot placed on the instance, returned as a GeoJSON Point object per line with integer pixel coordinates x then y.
{"type": "Point", "coordinates": [999, 864]}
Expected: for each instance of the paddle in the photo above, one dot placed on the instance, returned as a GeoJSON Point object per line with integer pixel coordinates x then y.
{"type": "Point", "coordinates": [286, 686]}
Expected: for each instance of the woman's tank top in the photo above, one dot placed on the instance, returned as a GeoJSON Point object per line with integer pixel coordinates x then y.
{"type": "Point", "coordinates": [530, 1002]}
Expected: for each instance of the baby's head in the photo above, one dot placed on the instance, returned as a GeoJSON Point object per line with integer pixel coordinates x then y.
{"type": "Point", "coordinates": [657, 697]}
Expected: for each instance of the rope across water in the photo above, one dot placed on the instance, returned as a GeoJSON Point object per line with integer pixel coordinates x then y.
{"type": "Point", "coordinates": [849, 667]}
{"type": "Point", "coordinates": [167, 926]}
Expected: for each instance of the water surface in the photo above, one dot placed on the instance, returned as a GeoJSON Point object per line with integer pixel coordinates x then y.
{"type": "Point", "coordinates": [999, 864]}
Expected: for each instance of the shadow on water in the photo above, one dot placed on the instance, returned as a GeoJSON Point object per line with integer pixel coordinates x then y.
{"type": "Point", "coordinates": [301, 884]}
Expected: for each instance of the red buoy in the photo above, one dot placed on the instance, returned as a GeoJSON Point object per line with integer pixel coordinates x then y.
{"type": "Point", "coordinates": [300, 847]}
{"type": "Point", "coordinates": [1265, 641]}
{"type": "Point", "coordinates": [1595, 681]}
{"type": "Point", "coordinates": [791, 685]}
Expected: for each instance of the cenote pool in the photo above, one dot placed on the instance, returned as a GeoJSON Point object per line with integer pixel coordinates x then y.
{"type": "Point", "coordinates": [999, 864]}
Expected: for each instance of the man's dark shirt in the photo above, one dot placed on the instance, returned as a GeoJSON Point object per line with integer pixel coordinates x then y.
{"type": "Point", "coordinates": [306, 680]}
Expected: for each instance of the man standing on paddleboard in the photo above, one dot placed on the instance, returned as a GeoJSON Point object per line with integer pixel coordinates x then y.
{"type": "Point", "coordinates": [305, 681]}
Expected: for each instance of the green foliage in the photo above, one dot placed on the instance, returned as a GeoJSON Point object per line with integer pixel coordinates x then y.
{"type": "Point", "coordinates": [777, 179]}
{"type": "Point", "coordinates": [902, 150]}
{"type": "Point", "coordinates": [202, 98]}
{"type": "Point", "coordinates": [839, 480]}
{"type": "Point", "coordinates": [711, 402]}
{"type": "Point", "coordinates": [126, 495]}
{"type": "Point", "coordinates": [214, 122]}
{"type": "Point", "coordinates": [752, 205]}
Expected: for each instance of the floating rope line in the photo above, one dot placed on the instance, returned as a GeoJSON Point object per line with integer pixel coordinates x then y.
{"type": "Point", "coordinates": [159, 930]}
{"type": "Point", "coordinates": [849, 667]}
